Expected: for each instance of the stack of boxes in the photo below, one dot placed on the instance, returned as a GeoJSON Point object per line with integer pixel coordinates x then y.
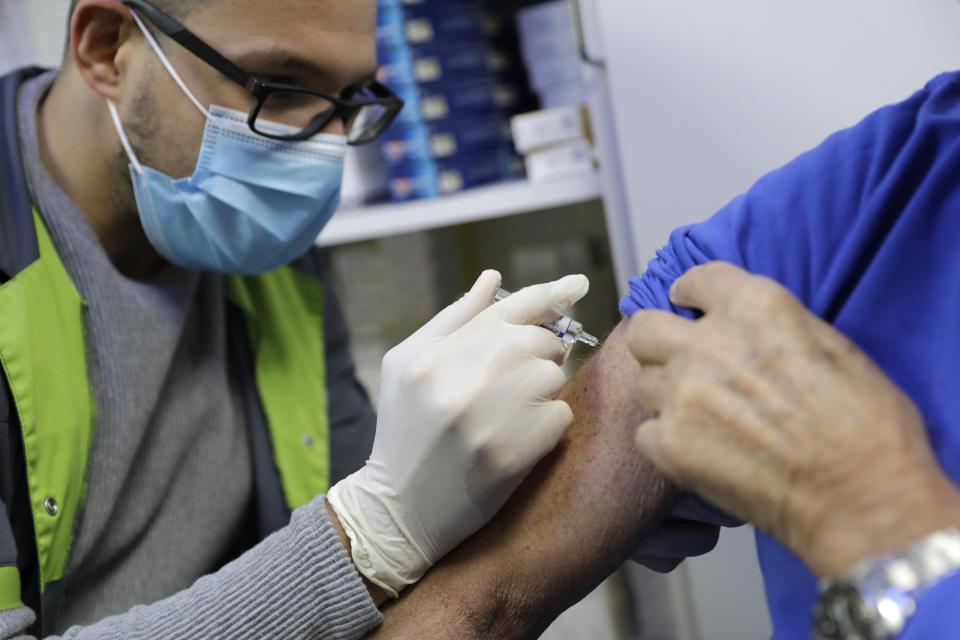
{"type": "Point", "coordinates": [455, 64]}
{"type": "Point", "coordinates": [549, 45]}
{"type": "Point", "coordinates": [555, 141]}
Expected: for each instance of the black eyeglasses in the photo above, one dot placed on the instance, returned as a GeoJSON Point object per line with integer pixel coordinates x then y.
{"type": "Point", "coordinates": [366, 112]}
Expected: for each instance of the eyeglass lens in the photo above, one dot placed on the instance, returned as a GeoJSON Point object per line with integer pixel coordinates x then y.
{"type": "Point", "coordinates": [307, 112]}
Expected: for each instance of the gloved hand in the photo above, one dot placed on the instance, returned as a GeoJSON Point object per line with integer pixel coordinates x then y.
{"type": "Point", "coordinates": [691, 529]}
{"type": "Point", "coordinates": [466, 410]}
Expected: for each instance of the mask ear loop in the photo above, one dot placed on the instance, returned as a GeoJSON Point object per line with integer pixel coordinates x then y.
{"type": "Point", "coordinates": [173, 73]}
{"type": "Point", "coordinates": [166, 63]}
{"type": "Point", "coordinates": [123, 137]}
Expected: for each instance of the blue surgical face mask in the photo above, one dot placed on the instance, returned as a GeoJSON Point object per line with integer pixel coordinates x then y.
{"type": "Point", "coordinates": [253, 204]}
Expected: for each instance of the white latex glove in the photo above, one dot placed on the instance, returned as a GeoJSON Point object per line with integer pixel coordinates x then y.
{"type": "Point", "coordinates": [467, 408]}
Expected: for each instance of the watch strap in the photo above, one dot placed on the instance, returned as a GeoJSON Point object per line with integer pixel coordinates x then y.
{"type": "Point", "coordinates": [876, 600]}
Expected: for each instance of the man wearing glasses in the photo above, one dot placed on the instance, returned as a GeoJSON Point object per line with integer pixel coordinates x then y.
{"type": "Point", "coordinates": [176, 383]}
{"type": "Point", "coordinates": [163, 407]}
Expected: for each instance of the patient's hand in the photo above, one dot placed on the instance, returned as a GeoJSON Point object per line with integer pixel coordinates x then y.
{"type": "Point", "coordinates": [573, 522]}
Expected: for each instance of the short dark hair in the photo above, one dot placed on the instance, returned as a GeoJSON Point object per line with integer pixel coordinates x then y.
{"type": "Point", "coordinates": [178, 9]}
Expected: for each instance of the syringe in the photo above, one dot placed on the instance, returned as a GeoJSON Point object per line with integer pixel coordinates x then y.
{"type": "Point", "coordinates": [566, 328]}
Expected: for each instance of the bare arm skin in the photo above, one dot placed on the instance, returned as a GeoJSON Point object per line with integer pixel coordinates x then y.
{"type": "Point", "coordinates": [573, 522]}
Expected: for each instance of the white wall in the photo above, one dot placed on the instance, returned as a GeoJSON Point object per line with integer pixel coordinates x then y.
{"type": "Point", "coordinates": [708, 95]}
{"type": "Point", "coordinates": [31, 32]}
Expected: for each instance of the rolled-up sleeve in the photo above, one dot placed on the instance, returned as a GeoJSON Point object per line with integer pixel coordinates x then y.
{"type": "Point", "coordinates": [814, 225]}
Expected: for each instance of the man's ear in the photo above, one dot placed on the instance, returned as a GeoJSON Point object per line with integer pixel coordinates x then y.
{"type": "Point", "coordinates": [98, 29]}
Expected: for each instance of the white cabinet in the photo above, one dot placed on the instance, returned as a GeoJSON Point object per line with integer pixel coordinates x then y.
{"type": "Point", "coordinates": [483, 203]}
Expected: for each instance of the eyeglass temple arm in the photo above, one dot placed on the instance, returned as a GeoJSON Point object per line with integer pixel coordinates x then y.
{"type": "Point", "coordinates": [181, 35]}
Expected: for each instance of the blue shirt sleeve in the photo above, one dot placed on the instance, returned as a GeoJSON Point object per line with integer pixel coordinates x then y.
{"type": "Point", "coordinates": [937, 615]}
{"type": "Point", "coordinates": [814, 224]}
{"type": "Point", "coordinates": [863, 230]}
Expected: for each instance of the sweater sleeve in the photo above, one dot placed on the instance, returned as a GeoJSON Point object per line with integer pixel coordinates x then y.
{"type": "Point", "coordinates": [297, 584]}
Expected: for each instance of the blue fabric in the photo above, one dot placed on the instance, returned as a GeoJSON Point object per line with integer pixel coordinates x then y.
{"type": "Point", "coordinates": [865, 231]}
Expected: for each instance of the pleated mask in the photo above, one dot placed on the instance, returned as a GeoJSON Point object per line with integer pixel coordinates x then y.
{"type": "Point", "coordinates": [253, 203]}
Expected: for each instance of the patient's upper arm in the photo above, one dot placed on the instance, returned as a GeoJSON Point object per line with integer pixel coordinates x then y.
{"type": "Point", "coordinates": [575, 519]}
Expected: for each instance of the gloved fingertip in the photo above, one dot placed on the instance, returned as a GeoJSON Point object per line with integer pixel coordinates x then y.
{"type": "Point", "coordinates": [558, 416]}
{"type": "Point", "coordinates": [570, 289]}
{"type": "Point", "coordinates": [490, 279]}
{"type": "Point", "coordinates": [471, 303]}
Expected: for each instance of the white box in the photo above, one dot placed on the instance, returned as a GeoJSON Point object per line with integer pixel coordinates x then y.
{"type": "Point", "coordinates": [559, 46]}
{"type": "Point", "coordinates": [561, 160]}
{"type": "Point", "coordinates": [559, 95]}
{"type": "Point", "coordinates": [545, 19]}
{"type": "Point", "coordinates": [547, 127]}
{"type": "Point", "coordinates": [549, 74]}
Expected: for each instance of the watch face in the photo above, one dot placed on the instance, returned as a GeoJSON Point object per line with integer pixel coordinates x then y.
{"type": "Point", "coordinates": [842, 614]}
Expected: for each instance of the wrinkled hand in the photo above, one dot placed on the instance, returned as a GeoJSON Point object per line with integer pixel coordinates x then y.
{"type": "Point", "coordinates": [467, 407]}
{"type": "Point", "coordinates": [771, 414]}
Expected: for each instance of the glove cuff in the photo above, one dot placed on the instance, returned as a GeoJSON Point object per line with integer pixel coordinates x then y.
{"type": "Point", "coordinates": [381, 547]}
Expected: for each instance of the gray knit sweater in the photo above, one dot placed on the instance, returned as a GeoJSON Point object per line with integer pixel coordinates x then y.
{"type": "Point", "coordinates": [170, 482]}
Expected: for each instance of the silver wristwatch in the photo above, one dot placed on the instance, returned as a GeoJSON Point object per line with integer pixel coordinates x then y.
{"type": "Point", "coordinates": [876, 600]}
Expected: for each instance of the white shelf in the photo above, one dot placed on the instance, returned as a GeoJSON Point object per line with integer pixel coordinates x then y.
{"type": "Point", "coordinates": [483, 203]}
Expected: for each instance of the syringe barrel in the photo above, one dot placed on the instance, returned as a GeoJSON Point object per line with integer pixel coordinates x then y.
{"type": "Point", "coordinates": [566, 328]}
